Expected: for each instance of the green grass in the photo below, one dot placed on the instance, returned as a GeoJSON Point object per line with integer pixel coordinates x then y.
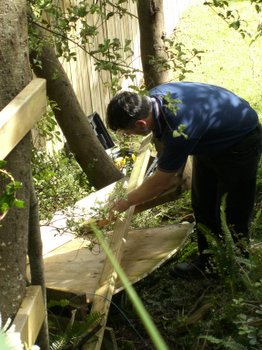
{"type": "Point", "coordinates": [228, 59]}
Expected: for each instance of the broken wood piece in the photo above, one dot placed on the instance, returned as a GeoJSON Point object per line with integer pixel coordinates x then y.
{"type": "Point", "coordinates": [195, 317]}
{"type": "Point", "coordinates": [30, 315]}
{"type": "Point", "coordinates": [107, 283]}
{"type": "Point", "coordinates": [74, 269]}
{"type": "Point", "coordinates": [20, 115]}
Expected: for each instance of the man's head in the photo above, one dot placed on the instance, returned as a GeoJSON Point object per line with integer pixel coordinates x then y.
{"type": "Point", "coordinates": [129, 112]}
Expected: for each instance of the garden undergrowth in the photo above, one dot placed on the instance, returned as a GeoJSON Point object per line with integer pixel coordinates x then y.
{"type": "Point", "coordinates": [210, 313]}
{"type": "Point", "coordinates": [220, 312]}
{"type": "Point", "coordinates": [202, 314]}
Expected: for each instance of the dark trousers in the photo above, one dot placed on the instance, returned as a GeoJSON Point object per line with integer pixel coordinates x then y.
{"type": "Point", "coordinates": [233, 172]}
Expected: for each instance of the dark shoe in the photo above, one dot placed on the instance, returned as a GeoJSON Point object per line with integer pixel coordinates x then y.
{"type": "Point", "coordinates": [193, 270]}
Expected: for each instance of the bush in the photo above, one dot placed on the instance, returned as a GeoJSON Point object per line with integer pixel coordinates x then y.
{"type": "Point", "coordinates": [59, 182]}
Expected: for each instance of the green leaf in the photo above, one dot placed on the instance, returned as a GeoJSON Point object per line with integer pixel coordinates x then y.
{"type": "Point", "coordinates": [19, 203]}
{"type": "Point", "coordinates": [2, 164]}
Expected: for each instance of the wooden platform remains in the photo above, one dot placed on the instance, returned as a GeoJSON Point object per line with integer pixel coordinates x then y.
{"type": "Point", "coordinates": [72, 267]}
{"type": "Point", "coordinates": [30, 316]}
{"type": "Point", "coordinates": [20, 115]}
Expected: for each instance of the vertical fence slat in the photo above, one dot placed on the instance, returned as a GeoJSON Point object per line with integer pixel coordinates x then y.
{"type": "Point", "coordinates": [88, 85]}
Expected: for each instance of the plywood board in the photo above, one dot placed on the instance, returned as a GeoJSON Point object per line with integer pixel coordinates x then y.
{"type": "Point", "coordinates": [145, 250]}
{"type": "Point", "coordinates": [73, 268]}
{"type": "Point", "coordinates": [55, 233]}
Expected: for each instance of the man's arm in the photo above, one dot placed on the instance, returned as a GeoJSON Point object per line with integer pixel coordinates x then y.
{"type": "Point", "coordinates": [152, 187]}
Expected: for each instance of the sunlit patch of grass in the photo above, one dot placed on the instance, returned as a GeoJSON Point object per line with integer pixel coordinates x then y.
{"type": "Point", "coordinates": [228, 59]}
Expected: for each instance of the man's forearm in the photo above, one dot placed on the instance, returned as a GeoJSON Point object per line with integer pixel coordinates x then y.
{"type": "Point", "coordinates": [152, 187]}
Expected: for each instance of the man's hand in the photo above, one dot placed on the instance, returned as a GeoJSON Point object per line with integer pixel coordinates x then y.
{"type": "Point", "coordinates": [118, 206]}
{"type": "Point", "coordinates": [153, 186]}
{"type": "Point", "coordinates": [121, 205]}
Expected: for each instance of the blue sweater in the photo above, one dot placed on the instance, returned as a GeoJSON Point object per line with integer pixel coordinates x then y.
{"type": "Point", "coordinates": [213, 119]}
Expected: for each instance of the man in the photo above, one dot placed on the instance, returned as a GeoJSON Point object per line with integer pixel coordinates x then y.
{"type": "Point", "coordinates": [223, 134]}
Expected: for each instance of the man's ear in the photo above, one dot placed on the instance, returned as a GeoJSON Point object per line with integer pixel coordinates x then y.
{"type": "Point", "coordinates": [141, 123]}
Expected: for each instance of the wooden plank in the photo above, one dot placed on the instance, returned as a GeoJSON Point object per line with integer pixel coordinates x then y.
{"type": "Point", "coordinates": [30, 315]}
{"type": "Point", "coordinates": [140, 166]}
{"type": "Point", "coordinates": [19, 116]}
{"type": "Point", "coordinates": [86, 208]}
{"type": "Point", "coordinates": [156, 245]}
{"type": "Point", "coordinates": [90, 204]}
{"type": "Point", "coordinates": [103, 294]}
{"type": "Point", "coordinates": [74, 268]}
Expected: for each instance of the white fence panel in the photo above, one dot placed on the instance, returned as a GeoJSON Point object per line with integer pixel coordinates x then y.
{"type": "Point", "coordinates": [88, 84]}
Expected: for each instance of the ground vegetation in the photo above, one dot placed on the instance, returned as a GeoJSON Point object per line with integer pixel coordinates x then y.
{"type": "Point", "coordinates": [222, 311]}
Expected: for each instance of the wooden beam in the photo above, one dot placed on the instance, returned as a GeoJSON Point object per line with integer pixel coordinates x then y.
{"type": "Point", "coordinates": [20, 115]}
{"type": "Point", "coordinates": [107, 283]}
{"type": "Point", "coordinates": [30, 315]}
{"type": "Point", "coordinates": [140, 166]}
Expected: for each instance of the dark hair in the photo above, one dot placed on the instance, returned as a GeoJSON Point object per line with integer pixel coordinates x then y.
{"type": "Point", "coordinates": [125, 108]}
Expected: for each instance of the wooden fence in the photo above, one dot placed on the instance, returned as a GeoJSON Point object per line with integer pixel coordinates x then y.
{"type": "Point", "coordinates": [87, 82]}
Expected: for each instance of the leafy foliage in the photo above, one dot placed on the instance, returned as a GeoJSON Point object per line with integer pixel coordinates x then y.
{"type": "Point", "coordinates": [8, 197]}
{"type": "Point", "coordinates": [232, 16]}
{"type": "Point", "coordinates": [59, 182]}
{"type": "Point", "coordinates": [73, 331]}
{"type": "Point", "coordinates": [76, 27]}
{"type": "Point", "coordinates": [234, 318]}
{"type": "Point", "coordinates": [180, 58]}
{"type": "Point", "coordinates": [47, 128]}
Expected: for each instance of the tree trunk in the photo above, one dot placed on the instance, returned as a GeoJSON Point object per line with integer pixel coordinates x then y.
{"type": "Point", "coordinates": [36, 261]}
{"type": "Point", "coordinates": [15, 74]}
{"type": "Point", "coordinates": [82, 141]}
{"type": "Point", "coordinates": [152, 32]}
{"type": "Point", "coordinates": [151, 24]}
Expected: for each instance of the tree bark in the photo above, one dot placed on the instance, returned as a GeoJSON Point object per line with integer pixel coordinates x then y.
{"type": "Point", "coordinates": [151, 24]}
{"type": "Point", "coordinates": [15, 74]}
{"type": "Point", "coordinates": [36, 262]}
{"type": "Point", "coordinates": [82, 141]}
